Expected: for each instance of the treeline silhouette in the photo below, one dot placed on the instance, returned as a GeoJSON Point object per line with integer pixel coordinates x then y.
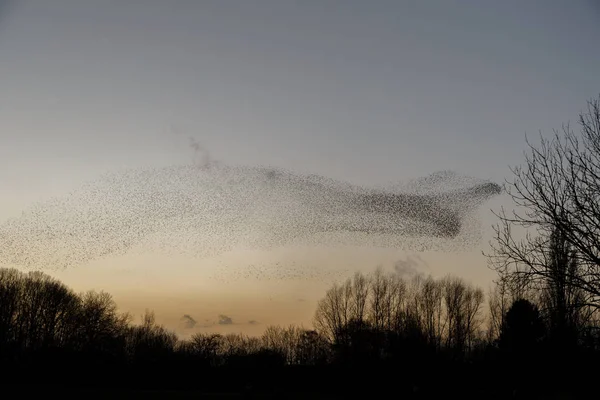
{"type": "Point", "coordinates": [535, 335]}
{"type": "Point", "coordinates": [378, 332]}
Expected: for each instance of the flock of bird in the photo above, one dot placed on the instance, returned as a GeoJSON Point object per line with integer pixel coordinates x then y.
{"type": "Point", "coordinates": [279, 271]}
{"type": "Point", "coordinates": [206, 211]}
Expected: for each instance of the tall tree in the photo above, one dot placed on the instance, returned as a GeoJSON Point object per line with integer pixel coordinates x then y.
{"type": "Point", "coordinates": [556, 194]}
{"type": "Point", "coordinates": [563, 300]}
{"type": "Point", "coordinates": [522, 329]}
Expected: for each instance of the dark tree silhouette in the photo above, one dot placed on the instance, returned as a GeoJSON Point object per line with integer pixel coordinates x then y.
{"type": "Point", "coordinates": [424, 329]}
{"type": "Point", "coordinates": [312, 349]}
{"type": "Point", "coordinates": [556, 192]}
{"type": "Point", "coordinates": [521, 342]}
{"type": "Point", "coordinates": [563, 300]}
{"type": "Point", "coordinates": [380, 316]}
{"type": "Point", "coordinates": [149, 343]}
{"type": "Point", "coordinates": [522, 330]}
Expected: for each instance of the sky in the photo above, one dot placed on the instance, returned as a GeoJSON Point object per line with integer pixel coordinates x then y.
{"type": "Point", "coordinates": [365, 92]}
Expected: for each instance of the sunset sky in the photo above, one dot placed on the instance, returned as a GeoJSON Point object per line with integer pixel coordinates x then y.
{"type": "Point", "coordinates": [368, 92]}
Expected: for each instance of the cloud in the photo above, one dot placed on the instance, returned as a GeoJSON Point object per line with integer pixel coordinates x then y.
{"type": "Point", "coordinates": [222, 320]}
{"type": "Point", "coordinates": [188, 322]}
{"type": "Point", "coordinates": [412, 266]}
{"type": "Point", "coordinates": [203, 158]}
{"type": "Point", "coordinates": [225, 320]}
{"type": "Point", "coordinates": [201, 155]}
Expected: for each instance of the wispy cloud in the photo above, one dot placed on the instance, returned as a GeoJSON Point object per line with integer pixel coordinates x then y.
{"type": "Point", "coordinates": [412, 266]}
{"type": "Point", "coordinates": [188, 322]}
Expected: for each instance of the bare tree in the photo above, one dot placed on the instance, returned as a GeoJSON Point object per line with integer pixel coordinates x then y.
{"type": "Point", "coordinates": [430, 304]}
{"type": "Point", "coordinates": [562, 302]}
{"type": "Point", "coordinates": [10, 301]}
{"type": "Point", "coordinates": [472, 307]}
{"type": "Point", "coordinates": [454, 292]}
{"type": "Point", "coordinates": [557, 190]}
{"type": "Point", "coordinates": [60, 307]}
{"type": "Point", "coordinates": [343, 303]}
{"type": "Point", "coordinates": [463, 303]}
{"type": "Point", "coordinates": [380, 304]}
{"type": "Point", "coordinates": [285, 341]}
{"type": "Point", "coordinates": [100, 327]}
{"type": "Point", "coordinates": [207, 347]}
{"type": "Point", "coordinates": [233, 345]}
{"type": "Point", "coordinates": [360, 295]}
{"type": "Point", "coordinates": [498, 304]}
{"type": "Point", "coordinates": [313, 349]}
{"type": "Point", "coordinates": [150, 342]}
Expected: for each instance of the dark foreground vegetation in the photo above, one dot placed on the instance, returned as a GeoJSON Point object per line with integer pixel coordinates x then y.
{"type": "Point", "coordinates": [376, 333]}
{"type": "Point", "coordinates": [535, 335]}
